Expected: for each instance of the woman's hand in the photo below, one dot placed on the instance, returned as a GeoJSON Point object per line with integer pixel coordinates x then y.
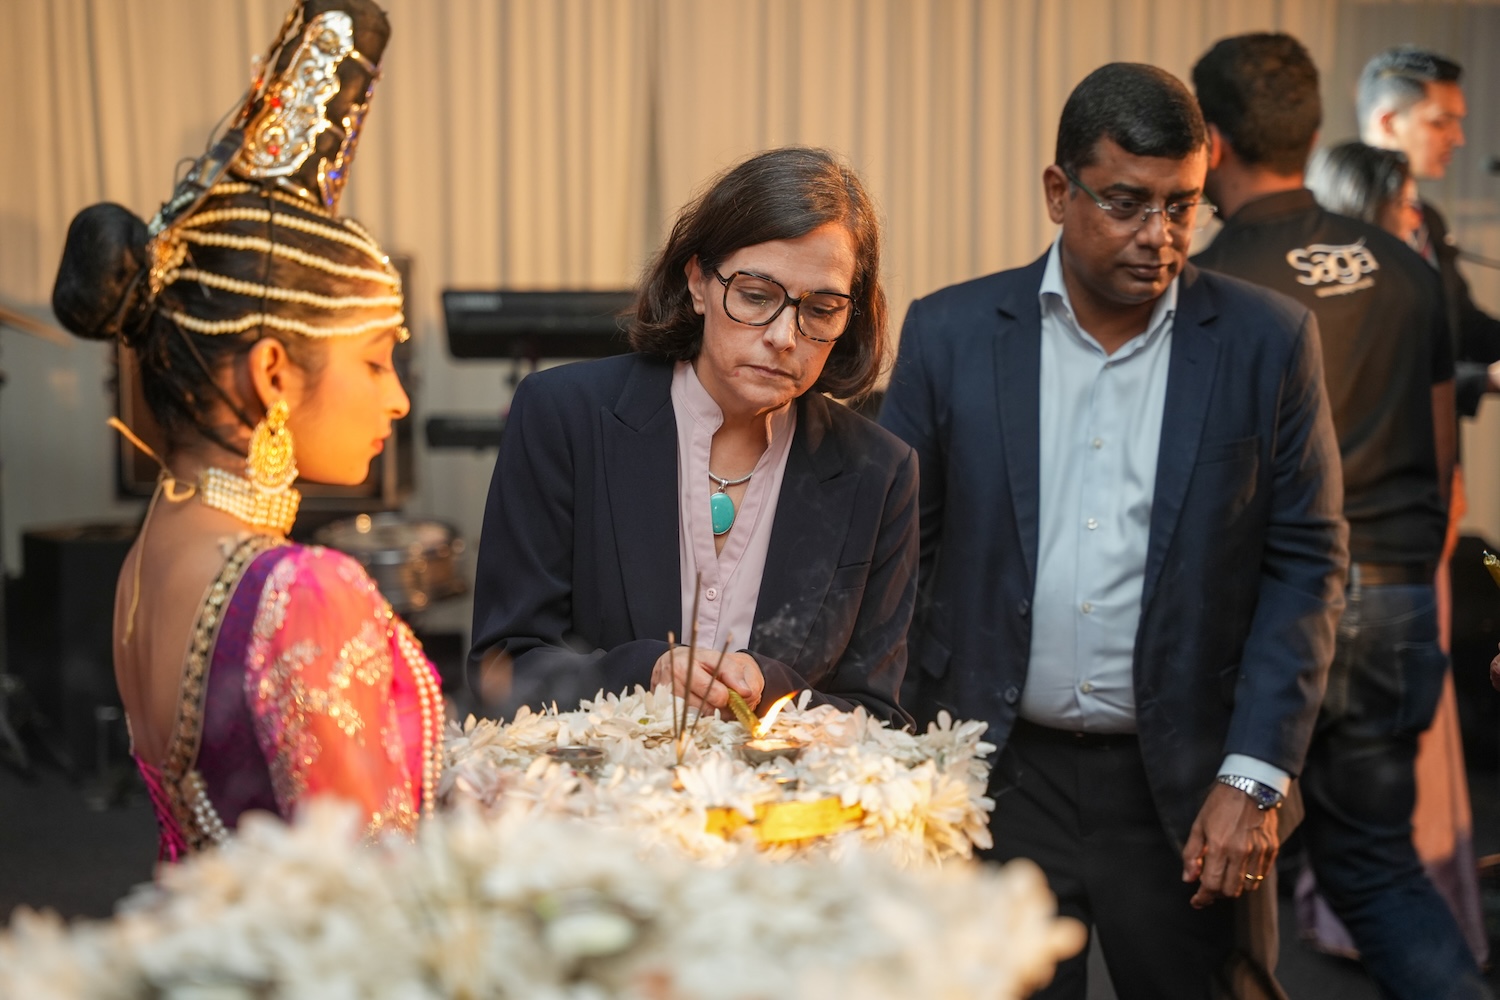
{"type": "Point", "coordinates": [740, 673]}
{"type": "Point", "coordinates": [1495, 670]}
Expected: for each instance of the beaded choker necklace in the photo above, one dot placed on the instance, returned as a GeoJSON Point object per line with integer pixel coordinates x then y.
{"type": "Point", "coordinates": [256, 506]}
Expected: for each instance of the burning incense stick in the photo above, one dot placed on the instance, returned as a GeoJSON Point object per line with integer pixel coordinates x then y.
{"type": "Point", "coordinates": [687, 676]}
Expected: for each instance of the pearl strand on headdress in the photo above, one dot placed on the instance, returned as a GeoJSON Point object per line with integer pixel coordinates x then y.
{"type": "Point", "coordinates": [229, 188]}
{"type": "Point", "coordinates": [299, 296]}
{"type": "Point", "coordinates": [260, 244]}
{"type": "Point", "coordinates": [361, 230]}
{"type": "Point", "coordinates": [337, 234]}
{"type": "Point", "coordinates": [240, 324]}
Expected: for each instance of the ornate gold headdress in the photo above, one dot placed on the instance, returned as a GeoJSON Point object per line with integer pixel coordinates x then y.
{"type": "Point", "coordinates": [270, 186]}
{"type": "Point", "coordinates": [290, 111]}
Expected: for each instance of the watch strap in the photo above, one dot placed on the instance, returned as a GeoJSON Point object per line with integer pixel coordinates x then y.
{"type": "Point", "coordinates": [1264, 795]}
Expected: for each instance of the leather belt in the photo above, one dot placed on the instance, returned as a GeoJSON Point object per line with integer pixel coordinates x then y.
{"type": "Point", "coordinates": [1368, 574]}
{"type": "Point", "coordinates": [1023, 730]}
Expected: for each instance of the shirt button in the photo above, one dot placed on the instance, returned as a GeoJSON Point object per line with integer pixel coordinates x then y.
{"type": "Point", "coordinates": [1087, 608]}
{"type": "Point", "coordinates": [1023, 607]}
{"type": "Point", "coordinates": [1091, 523]}
{"type": "Point", "coordinates": [712, 593]}
{"type": "Point", "coordinates": [1097, 443]}
{"type": "Point", "coordinates": [1086, 687]}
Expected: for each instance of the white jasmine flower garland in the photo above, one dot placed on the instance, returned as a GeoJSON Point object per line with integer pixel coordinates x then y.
{"type": "Point", "coordinates": [922, 796]}
{"type": "Point", "coordinates": [521, 905]}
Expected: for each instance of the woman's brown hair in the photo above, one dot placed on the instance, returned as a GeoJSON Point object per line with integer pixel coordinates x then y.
{"type": "Point", "coordinates": [781, 194]}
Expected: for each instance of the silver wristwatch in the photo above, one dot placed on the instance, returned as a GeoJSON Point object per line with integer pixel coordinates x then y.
{"type": "Point", "coordinates": [1264, 795]}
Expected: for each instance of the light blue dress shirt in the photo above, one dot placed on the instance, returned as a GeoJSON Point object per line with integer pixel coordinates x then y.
{"type": "Point", "coordinates": [1101, 417]}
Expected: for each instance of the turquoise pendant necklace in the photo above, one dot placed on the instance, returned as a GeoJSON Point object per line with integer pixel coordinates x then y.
{"type": "Point", "coordinates": [720, 507]}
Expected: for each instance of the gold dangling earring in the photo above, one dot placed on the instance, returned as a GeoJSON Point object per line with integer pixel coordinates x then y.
{"type": "Point", "coordinates": [265, 497]}
{"type": "Point", "coordinates": [271, 464]}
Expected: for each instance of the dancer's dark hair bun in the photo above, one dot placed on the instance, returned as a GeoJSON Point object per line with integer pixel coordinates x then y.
{"type": "Point", "coordinates": [101, 290]}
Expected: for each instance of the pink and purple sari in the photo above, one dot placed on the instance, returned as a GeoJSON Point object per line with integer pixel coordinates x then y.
{"type": "Point", "coordinates": [299, 681]}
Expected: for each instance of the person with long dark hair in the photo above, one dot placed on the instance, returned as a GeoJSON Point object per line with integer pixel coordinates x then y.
{"type": "Point", "coordinates": [1370, 184]}
{"type": "Point", "coordinates": [256, 672]}
{"type": "Point", "coordinates": [706, 472]}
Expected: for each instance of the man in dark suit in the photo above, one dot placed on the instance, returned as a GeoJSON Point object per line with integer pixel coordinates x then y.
{"type": "Point", "coordinates": [1132, 555]}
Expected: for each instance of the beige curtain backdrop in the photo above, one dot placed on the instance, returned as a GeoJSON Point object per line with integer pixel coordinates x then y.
{"type": "Point", "coordinates": [548, 144]}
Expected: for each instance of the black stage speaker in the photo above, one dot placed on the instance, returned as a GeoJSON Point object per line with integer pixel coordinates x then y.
{"type": "Point", "coordinates": [524, 327]}
{"type": "Point", "coordinates": [1475, 641]}
{"type": "Point", "coordinates": [60, 636]}
{"type": "Point", "coordinates": [387, 485]}
{"type": "Point", "coordinates": [531, 325]}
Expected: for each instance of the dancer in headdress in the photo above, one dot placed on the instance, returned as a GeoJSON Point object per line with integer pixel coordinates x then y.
{"type": "Point", "coordinates": [256, 672]}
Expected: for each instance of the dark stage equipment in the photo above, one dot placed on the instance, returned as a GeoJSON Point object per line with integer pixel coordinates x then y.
{"type": "Point", "coordinates": [1475, 640]}
{"type": "Point", "coordinates": [523, 328]}
{"type": "Point", "coordinates": [60, 640]}
{"type": "Point", "coordinates": [531, 325]}
{"type": "Point", "coordinates": [13, 704]}
{"type": "Point", "coordinates": [452, 431]}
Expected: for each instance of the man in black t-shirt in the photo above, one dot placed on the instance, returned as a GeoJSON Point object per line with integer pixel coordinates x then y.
{"type": "Point", "coordinates": [1389, 370]}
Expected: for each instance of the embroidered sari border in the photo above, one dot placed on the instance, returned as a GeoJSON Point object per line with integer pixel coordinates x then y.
{"type": "Point", "coordinates": [187, 729]}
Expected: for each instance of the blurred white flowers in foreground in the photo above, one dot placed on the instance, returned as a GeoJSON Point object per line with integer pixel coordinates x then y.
{"type": "Point", "coordinates": [541, 883]}
{"type": "Point", "coordinates": [529, 906]}
{"type": "Point", "coordinates": [918, 796]}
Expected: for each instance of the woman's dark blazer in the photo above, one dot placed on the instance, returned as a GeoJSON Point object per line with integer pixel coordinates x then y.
{"type": "Point", "coordinates": [578, 581]}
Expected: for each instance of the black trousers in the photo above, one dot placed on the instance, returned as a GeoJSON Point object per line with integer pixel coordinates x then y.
{"type": "Point", "coordinates": [1080, 807]}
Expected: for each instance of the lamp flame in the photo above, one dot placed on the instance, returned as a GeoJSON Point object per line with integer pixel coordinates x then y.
{"type": "Point", "coordinates": [764, 726]}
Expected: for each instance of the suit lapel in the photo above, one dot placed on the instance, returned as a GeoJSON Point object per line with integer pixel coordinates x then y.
{"type": "Point", "coordinates": [813, 514]}
{"type": "Point", "coordinates": [1018, 367]}
{"type": "Point", "coordinates": [640, 477]}
{"type": "Point", "coordinates": [1190, 380]}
